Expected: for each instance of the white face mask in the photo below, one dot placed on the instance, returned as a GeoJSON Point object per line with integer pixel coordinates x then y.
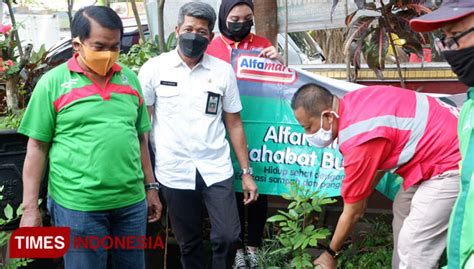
{"type": "Point", "coordinates": [322, 138]}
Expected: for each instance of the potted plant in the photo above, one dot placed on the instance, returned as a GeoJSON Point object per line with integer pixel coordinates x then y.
{"type": "Point", "coordinates": [8, 216]}
{"type": "Point", "coordinates": [384, 30]}
{"type": "Point", "coordinates": [296, 229]}
{"type": "Point", "coordinates": [12, 145]}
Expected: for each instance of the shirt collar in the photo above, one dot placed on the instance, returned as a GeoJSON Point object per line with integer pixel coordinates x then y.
{"type": "Point", "coordinates": [176, 60]}
{"type": "Point", "coordinates": [470, 93]}
{"type": "Point", "coordinates": [230, 42]}
{"type": "Point", "coordinates": [73, 65]}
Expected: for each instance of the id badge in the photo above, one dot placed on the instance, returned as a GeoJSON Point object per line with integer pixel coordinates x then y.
{"type": "Point", "coordinates": [212, 105]}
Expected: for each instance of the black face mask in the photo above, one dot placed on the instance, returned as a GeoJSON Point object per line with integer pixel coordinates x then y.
{"type": "Point", "coordinates": [462, 63]}
{"type": "Point", "coordinates": [192, 45]}
{"type": "Point", "coordinates": [239, 30]}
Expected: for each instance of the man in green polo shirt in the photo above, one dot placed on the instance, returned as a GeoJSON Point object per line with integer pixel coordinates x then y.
{"type": "Point", "coordinates": [88, 118]}
{"type": "Point", "coordinates": [456, 19]}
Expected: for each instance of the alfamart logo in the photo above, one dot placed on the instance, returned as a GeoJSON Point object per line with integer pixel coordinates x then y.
{"type": "Point", "coordinates": [257, 69]}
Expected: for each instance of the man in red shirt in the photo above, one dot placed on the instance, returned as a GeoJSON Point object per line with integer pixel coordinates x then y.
{"type": "Point", "coordinates": [381, 129]}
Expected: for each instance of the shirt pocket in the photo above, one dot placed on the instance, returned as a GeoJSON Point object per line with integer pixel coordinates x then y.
{"type": "Point", "coordinates": [167, 99]}
{"type": "Point", "coordinates": [210, 102]}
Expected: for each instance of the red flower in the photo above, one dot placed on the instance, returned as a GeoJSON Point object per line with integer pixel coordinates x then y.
{"type": "Point", "coordinates": [10, 63]}
{"type": "Point", "coordinates": [5, 28]}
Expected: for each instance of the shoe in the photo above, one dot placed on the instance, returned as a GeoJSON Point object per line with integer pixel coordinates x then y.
{"type": "Point", "coordinates": [252, 259]}
{"type": "Point", "coordinates": [239, 260]}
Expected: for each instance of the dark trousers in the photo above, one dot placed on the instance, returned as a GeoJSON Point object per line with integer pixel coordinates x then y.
{"type": "Point", "coordinates": [256, 219]}
{"type": "Point", "coordinates": [185, 209]}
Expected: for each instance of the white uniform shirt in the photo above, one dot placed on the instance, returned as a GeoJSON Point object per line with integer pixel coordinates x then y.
{"type": "Point", "coordinates": [185, 137]}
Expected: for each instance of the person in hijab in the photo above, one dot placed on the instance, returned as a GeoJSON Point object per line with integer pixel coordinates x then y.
{"type": "Point", "coordinates": [235, 24]}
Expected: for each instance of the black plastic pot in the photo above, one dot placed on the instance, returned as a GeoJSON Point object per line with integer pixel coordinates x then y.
{"type": "Point", "coordinates": [12, 156]}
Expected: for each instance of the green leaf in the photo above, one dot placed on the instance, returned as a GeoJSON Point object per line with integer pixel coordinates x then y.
{"type": "Point", "coordinates": [358, 29]}
{"type": "Point", "coordinates": [305, 243]}
{"type": "Point", "coordinates": [377, 50]}
{"type": "Point", "coordinates": [8, 211]}
{"type": "Point", "coordinates": [284, 214]}
{"type": "Point", "coordinates": [285, 242]}
{"type": "Point", "coordinates": [293, 214]}
{"type": "Point", "coordinates": [317, 208]}
{"type": "Point", "coordinates": [277, 218]}
{"type": "Point", "coordinates": [292, 204]}
{"type": "Point", "coordinates": [308, 229]}
{"type": "Point", "coordinates": [19, 210]}
{"type": "Point", "coordinates": [299, 240]}
{"type": "Point", "coordinates": [293, 225]}
{"type": "Point", "coordinates": [327, 201]}
{"type": "Point", "coordinates": [286, 196]}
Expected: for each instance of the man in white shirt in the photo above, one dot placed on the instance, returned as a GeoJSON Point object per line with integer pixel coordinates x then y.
{"type": "Point", "coordinates": [190, 96]}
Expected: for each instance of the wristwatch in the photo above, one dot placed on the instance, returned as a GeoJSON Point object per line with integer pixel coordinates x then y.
{"type": "Point", "coordinates": [247, 171]}
{"type": "Point", "coordinates": [150, 186]}
{"type": "Point", "coordinates": [333, 253]}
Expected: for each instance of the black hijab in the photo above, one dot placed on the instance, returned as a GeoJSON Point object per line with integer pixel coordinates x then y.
{"type": "Point", "coordinates": [224, 10]}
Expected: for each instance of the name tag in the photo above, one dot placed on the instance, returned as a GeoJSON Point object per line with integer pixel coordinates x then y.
{"type": "Point", "coordinates": [169, 83]}
{"type": "Point", "coordinates": [213, 100]}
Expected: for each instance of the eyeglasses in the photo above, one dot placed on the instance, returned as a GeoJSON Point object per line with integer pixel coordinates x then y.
{"type": "Point", "coordinates": [451, 43]}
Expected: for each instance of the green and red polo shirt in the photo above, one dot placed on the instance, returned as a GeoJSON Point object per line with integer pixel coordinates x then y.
{"type": "Point", "coordinates": [461, 227]}
{"type": "Point", "coordinates": [94, 158]}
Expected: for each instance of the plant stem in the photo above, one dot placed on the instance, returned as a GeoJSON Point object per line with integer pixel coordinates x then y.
{"type": "Point", "coordinates": [70, 5]}
{"type": "Point", "coordinates": [137, 19]}
{"type": "Point", "coordinates": [161, 26]}
{"type": "Point", "coordinates": [12, 93]}
{"type": "Point", "coordinates": [397, 60]}
{"type": "Point", "coordinates": [15, 32]}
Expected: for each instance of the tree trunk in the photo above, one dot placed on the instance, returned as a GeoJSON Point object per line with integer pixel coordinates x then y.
{"type": "Point", "coordinates": [161, 26]}
{"type": "Point", "coordinates": [70, 5]}
{"type": "Point", "coordinates": [266, 23]}
{"type": "Point", "coordinates": [137, 18]}
{"type": "Point", "coordinates": [15, 32]}
{"type": "Point", "coordinates": [12, 94]}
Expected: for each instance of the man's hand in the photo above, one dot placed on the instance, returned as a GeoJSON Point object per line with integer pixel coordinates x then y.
{"type": "Point", "coordinates": [31, 218]}
{"type": "Point", "coordinates": [325, 261]}
{"type": "Point", "coordinates": [154, 205]}
{"type": "Point", "coordinates": [249, 188]}
{"type": "Point", "coordinates": [270, 53]}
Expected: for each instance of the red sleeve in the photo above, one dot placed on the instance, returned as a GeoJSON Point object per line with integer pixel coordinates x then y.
{"type": "Point", "coordinates": [360, 166]}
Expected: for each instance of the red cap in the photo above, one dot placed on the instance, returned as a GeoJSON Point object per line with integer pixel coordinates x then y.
{"type": "Point", "coordinates": [450, 10]}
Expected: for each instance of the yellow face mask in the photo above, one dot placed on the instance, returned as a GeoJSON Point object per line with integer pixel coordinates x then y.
{"type": "Point", "coordinates": [98, 61]}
